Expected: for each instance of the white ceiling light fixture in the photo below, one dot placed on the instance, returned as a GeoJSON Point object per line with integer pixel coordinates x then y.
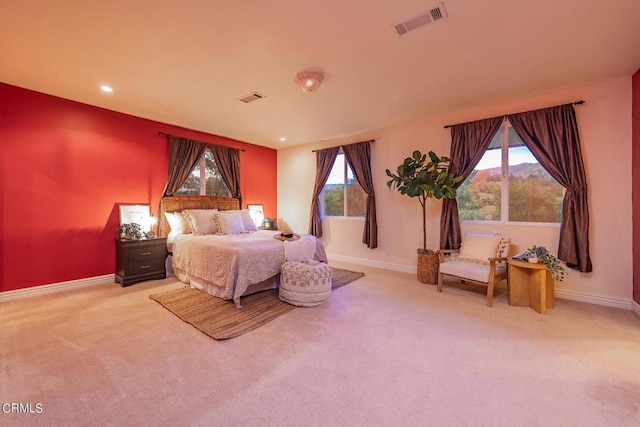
{"type": "Point", "coordinates": [106, 88]}
{"type": "Point", "coordinates": [309, 81]}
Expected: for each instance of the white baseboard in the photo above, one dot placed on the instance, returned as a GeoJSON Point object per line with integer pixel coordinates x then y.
{"type": "Point", "coordinates": [35, 291]}
{"type": "Point", "coordinates": [374, 264]}
{"type": "Point", "coordinates": [561, 294]}
{"type": "Point", "coordinates": [593, 299]}
{"type": "Point", "coordinates": [110, 278]}
{"type": "Point", "coordinates": [635, 307]}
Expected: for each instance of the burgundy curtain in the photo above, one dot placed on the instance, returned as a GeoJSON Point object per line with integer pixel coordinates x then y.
{"type": "Point", "coordinates": [324, 163]}
{"type": "Point", "coordinates": [228, 162]}
{"type": "Point", "coordinates": [359, 158]}
{"type": "Point", "coordinates": [469, 141]}
{"type": "Point", "coordinates": [552, 136]}
{"type": "Point", "coordinates": [184, 155]}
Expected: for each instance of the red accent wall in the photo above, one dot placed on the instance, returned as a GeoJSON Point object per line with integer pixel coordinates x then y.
{"type": "Point", "coordinates": [635, 119]}
{"type": "Point", "coordinates": [64, 168]}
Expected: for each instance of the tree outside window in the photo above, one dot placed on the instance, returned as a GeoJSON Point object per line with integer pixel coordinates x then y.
{"type": "Point", "coordinates": [509, 184]}
{"type": "Point", "coordinates": [205, 179]}
{"type": "Point", "coordinates": [342, 195]}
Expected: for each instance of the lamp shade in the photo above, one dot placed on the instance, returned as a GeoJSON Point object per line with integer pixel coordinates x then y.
{"type": "Point", "coordinates": [309, 81]}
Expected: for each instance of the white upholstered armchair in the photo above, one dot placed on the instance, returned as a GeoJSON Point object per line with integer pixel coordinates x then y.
{"type": "Point", "coordinates": [482, 259]}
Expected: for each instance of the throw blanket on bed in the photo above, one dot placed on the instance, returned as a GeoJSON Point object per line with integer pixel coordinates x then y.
{"type": "Point", "coordinates": [234, 262]}
{"type": "Point", "coordinates": [302, 249]}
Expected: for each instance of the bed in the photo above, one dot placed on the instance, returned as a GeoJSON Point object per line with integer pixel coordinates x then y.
{"type": "Point", "coordinates": [230, 265]}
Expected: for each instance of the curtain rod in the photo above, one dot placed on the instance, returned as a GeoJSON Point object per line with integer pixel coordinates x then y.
{"type": "Point", "coordinates": [573, 103]}
{"type": "Point", "coordinates": [371, 141]}
{"type": "Point", "coordinates": [168, 134]}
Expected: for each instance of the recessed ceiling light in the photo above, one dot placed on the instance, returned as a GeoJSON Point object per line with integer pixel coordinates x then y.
{"type": "Point", "coordinates": [283, 139]}
{"type": "Point", "coordinates": [106, 88]}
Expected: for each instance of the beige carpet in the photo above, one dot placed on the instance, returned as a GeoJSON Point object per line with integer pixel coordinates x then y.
{"type": "Point", "coordinates": [385, 350]}
{"type": "Point", "coordinates": [221, 320]}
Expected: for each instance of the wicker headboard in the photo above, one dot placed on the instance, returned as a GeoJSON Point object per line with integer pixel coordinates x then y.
{"type": "Point", "coordinates": [179, 203]}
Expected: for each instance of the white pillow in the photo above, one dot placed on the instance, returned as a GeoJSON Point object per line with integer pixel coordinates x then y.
{"type": "Point", "coordinates": [178, 223]}
{"type": "Point", "coordinates": [202, 221]}
{"type": "Point", "coordinates": [247, 222]}
{"type": "Point", "coordinates": [479, 247]}
{"type": "Point", "coordinates": [229, 223]}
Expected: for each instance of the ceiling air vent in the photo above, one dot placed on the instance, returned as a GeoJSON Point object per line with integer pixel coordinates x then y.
{"type": "Point", "coordinates": [434, 14]}
{"type": "Point", "coordinates": [253, 96]}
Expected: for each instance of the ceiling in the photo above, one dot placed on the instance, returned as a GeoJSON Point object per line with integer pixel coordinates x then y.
{"type": "Point", "coordinates": [187, 63]}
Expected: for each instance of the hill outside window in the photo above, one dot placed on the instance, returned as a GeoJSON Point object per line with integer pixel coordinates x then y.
{"type": "Point", "coordinates": [510, 185]}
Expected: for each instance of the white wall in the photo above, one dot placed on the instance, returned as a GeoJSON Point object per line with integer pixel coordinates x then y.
{"type": "Point", "coordinates": [605, 129]}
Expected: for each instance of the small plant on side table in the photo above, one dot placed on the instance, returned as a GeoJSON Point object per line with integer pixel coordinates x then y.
{"type": "Point", "coordinates": [130, 231]}
{"type": "Point", "coordinates": [269, 224]}
{"type": "Point", "coordinates": [545, 257]}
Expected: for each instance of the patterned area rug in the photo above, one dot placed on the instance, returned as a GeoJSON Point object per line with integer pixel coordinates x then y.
{"type": "Point", "coordinates": [221, 320]}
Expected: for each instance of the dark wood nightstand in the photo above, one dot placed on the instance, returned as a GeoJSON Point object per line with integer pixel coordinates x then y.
{"type": "Point", "coordinates": [138, 260]}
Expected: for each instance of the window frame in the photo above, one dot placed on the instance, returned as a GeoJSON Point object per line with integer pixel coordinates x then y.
{"type": "Point", "coordinates": [505, 127]}
{"type": "Point", "coordinates": [202, 165]}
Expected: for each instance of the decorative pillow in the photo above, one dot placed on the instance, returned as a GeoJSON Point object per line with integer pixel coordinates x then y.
{"type": "Point", "coordinates": [229, 222]}
{"type": "Point", "coordinates": [247, 221]}
{"type": "Point", "coordinates": [178, 223]}
{"type": "Point", "coordinates": [479, 247]}
{"type": "Point", "coordinates": [201, 220]}
{"type": "Point", "coordinates": [503, 247]}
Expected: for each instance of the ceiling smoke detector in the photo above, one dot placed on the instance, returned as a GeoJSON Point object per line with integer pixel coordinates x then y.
{"type": "Point", "coordinates": [434, 14]}
{"type": "Point", "coordinates": [253, 96]}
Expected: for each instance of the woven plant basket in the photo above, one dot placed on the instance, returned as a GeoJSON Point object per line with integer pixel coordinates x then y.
{"type": "Point", "coordinates": [428, 266]}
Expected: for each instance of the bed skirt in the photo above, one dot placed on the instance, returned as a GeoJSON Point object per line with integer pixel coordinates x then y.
{"type": "Point", "coordinates": [218, 291]}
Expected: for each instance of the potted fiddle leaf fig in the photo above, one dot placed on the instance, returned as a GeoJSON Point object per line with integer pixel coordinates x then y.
{"type": "Point", "coordinates": [425, 177]}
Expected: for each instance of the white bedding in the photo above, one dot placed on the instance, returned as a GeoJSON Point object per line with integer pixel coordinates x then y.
{"type": "Point", "coordinates": [231, 264]}
{"type": "Point", "coordinates": [170, 239]}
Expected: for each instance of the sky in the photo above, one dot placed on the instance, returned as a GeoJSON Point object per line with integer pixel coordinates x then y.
{"type": "Point", "coordinates": [491, 159]}
{"type": "Point", "coordinates": [517, 155]}
{"type": "Point", "coordinates": [337, 173]}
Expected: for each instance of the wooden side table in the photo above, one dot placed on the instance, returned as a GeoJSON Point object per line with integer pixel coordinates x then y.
{"type": "Point", "coordinates": [138, 260]}
{"type": "Point", "coordinates": [530, 285]}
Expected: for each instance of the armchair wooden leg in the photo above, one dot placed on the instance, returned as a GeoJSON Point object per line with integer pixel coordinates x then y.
{"type": "Point", "coordinates": [490, 294]}
{"type": "Point", "coordinates": [439, 282]}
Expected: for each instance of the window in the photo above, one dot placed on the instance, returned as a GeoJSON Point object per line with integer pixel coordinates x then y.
{"type": "Point", "coordinates": [205, 179]}
{"type": "Point", "coordinates": [342, 195]}
{"type": "Point", "coordinates": [509, 184]}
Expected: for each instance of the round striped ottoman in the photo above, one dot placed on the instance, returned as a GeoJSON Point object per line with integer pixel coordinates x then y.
{"type": "Point", "coordinates": [305, 284]}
